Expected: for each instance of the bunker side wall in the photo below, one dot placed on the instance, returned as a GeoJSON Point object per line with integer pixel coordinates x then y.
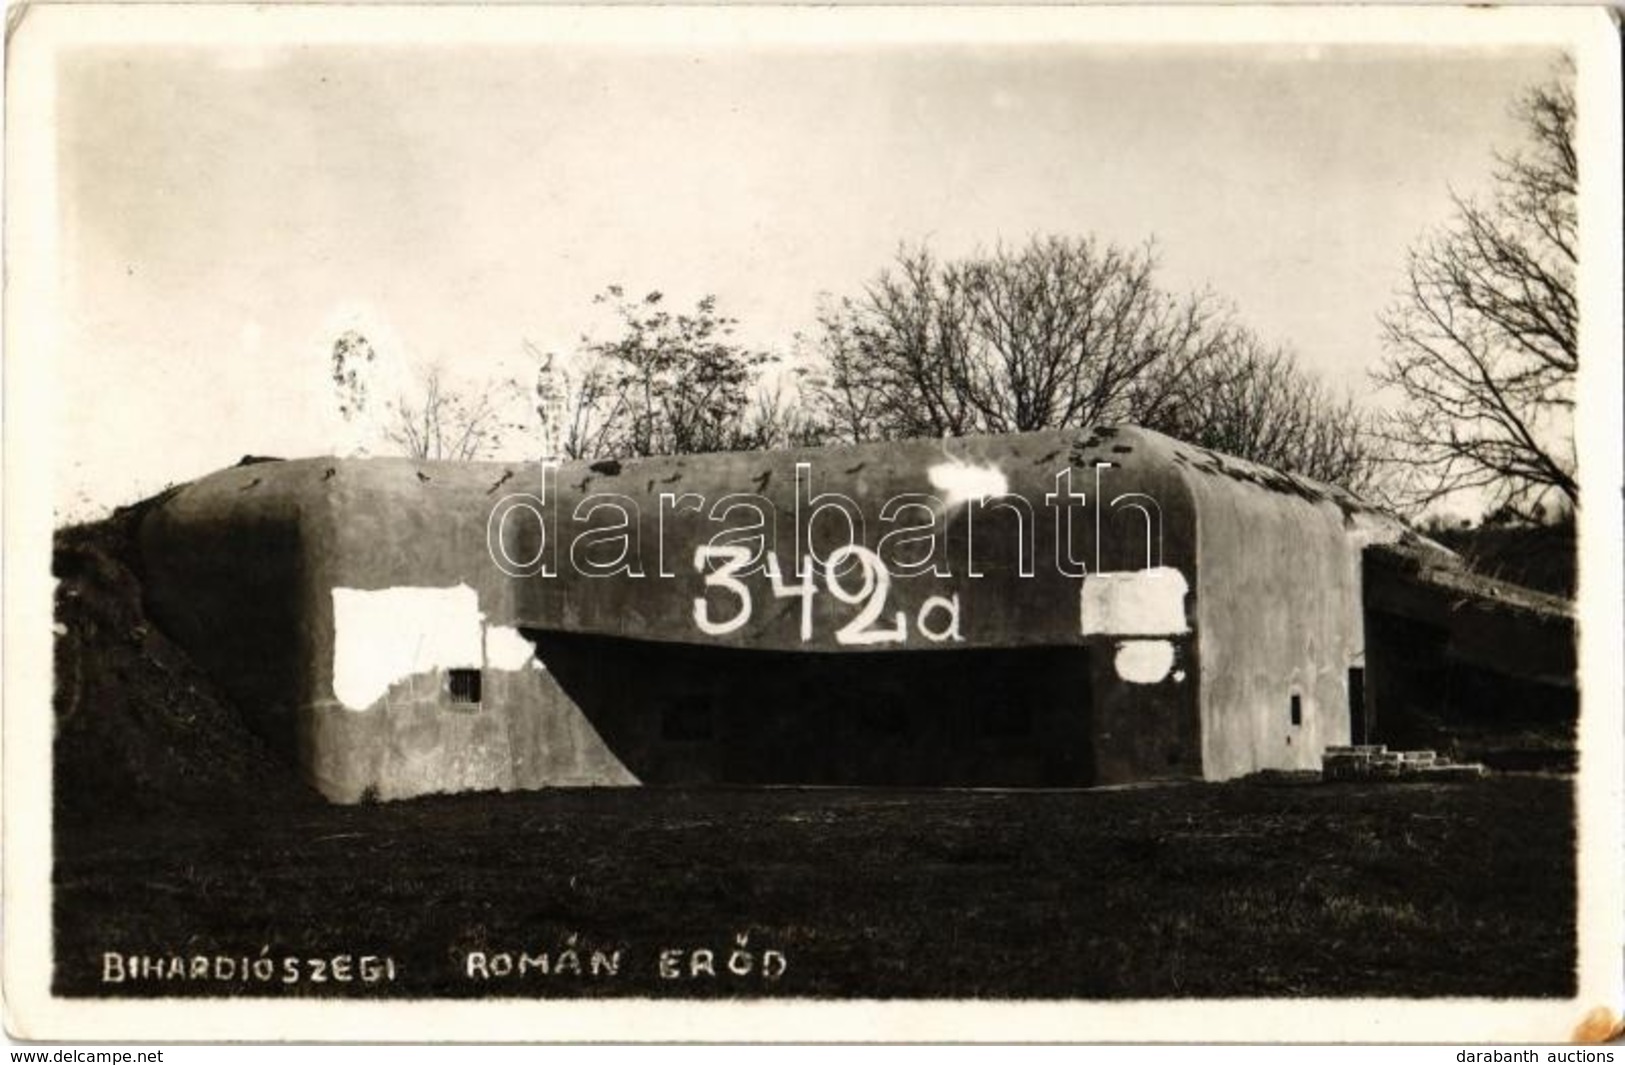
{"type": "Point", "coordinates": [408, 597]}
{"type": "Point", "coordinates": [1281, 625]}
{"type": "Point", "coordinates": [335, 600]}
{"type": "Point", "coordinates": [227, 575]}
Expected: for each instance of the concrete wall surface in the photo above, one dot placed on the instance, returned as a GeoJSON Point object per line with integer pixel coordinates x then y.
{"type": "Point", "coordinates": [1085, 607]}
{"type": "Point", "coordinates": [1279, 612]}
{"type": "Point", "coordinates": [335, 599]}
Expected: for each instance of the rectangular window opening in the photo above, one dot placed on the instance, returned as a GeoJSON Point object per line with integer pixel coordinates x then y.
{"type": "Point", "coordinates": [465, 686]}
{"type": "Point", "coordinates": [1297, 709]}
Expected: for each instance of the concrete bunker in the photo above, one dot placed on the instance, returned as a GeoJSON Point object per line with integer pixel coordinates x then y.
{"type": "Point", "coordinates": [1062, 608]}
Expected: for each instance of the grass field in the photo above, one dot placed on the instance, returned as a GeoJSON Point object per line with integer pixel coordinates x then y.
{"type": "Point", "coordinates": [1184, 890]}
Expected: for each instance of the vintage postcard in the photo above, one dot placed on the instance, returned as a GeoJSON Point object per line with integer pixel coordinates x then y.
{"type": "Point", "coordinates": [802, 523]}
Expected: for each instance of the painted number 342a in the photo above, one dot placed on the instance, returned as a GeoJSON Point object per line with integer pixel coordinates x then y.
{"type": "Point", "coordinates": [937, 619]}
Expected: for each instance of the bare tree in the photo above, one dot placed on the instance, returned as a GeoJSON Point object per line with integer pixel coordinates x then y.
{"type": "Point", "coordinates": [780, 416]}
{"type": "Point", "coordinates": [1483, 343]}
{"type": "Point", "coordinates": [1256, 402]}
{"type": "Point", "coordinates": [576, 406]}
{"type": "Point", "coordinates": [1059, 332]}
{"type": "Point", "coordinates": [429, 420]}
{"type": "Point", "coordinates": [445, 423]}
{"type": "Point", "coordinates": [1070, 332]}
{"type": "Point", "coordinates": [667, 384]}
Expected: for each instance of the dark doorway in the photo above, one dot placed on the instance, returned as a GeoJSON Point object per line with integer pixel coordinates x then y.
{"type": "Point", "coordinates": [685, 714]}
{"type": "Point", "coordinates": [1359, 732]}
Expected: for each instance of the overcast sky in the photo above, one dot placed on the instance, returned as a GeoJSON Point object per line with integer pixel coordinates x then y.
{"type": "Point", "coordinates": [226, 214]}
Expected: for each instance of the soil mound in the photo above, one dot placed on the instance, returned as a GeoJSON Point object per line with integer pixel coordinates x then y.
{"type": "Point", "coordinates": [140, 729]}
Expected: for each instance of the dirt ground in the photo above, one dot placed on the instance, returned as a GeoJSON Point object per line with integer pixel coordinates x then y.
{"type": "Point", "coordinates": [189, 862]}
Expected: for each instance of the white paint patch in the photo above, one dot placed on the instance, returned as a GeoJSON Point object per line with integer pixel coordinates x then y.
{"type": "Point", "coordinates": [1148, 602]}
{"type": "Point", "coordinates": [505, 648]}
{"type": "Point", "coordinates": [1144, 661]}
{"type": "Point", "coordinates": [381, 637]}
{"type": "Point", "coordinates": [960, 482]}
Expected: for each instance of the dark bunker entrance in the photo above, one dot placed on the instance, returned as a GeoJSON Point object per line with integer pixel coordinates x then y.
{"type": "Point", "coordinates": [681, 714]}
